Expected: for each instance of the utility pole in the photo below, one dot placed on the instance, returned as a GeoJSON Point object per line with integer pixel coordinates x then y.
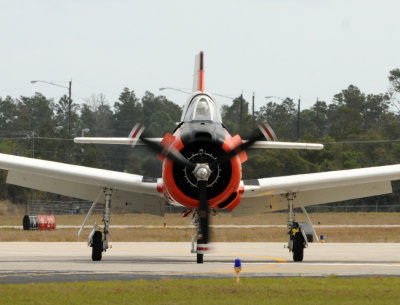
{"type": "Point", "coordinates": [69, 97]}
{"type": "Point", "coordinates": [27, 207]}
{"type": "Point", "coordinates": [241, 111]}
{"type": "Point", "coordinates": [298, 120]}
{"type": "Point", "coordinates": [316, 118]}
{"type": "Point", "coordinates": [69, 106]}
{"type": "Point", "coordinates": [252, 109]}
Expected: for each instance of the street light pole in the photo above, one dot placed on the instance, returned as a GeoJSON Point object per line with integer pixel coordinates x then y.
{"type": "Point", "coordinates": [176, 89]}
{"type": "Point", "coordinates": [272, 96]}
{"type": "Point", "coordinates": [183, 91]}
{"type": "Point", "coordinates": [69, 97]}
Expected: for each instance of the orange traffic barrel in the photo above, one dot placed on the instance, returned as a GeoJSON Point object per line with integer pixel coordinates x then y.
{"type": "Point", "coordinates": [39, 222]}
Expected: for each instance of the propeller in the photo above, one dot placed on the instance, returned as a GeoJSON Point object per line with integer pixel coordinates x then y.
{"type": "Point", "coordinates": [168, 153]}
{"type": "Point", "coordinates": [202, 172]}
{"type": "Point", "coordinates": [238, 149]}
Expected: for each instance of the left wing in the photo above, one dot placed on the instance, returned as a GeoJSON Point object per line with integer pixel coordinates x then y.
{"type": "Point", "coordinates": [135, 192]}
{"type": "Point", "coordinates": [268, 194]}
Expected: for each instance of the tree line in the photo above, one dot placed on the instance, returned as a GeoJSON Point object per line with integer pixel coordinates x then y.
{"type": "Point", "coordinates": [357, 129]}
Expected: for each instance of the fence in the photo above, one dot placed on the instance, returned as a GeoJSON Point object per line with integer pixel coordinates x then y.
{"type": "Point", "coordinates": [61, 207]}
{"type": "Point", "coordinates": [75, 207]}
{"type": "Point", "coordinates": [347, 208]}
{"type": "Point", "coordinates": [82, 207]}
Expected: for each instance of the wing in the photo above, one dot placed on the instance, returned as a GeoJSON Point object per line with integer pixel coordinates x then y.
{"type": "Point", "coordinates": [268, 194]}
{"type": "Point", "coordinates": [133, 192]}
{"type": "Point", "coordinates": [120, 141]}
{"type": "Point", "coordinates": [286, 145]}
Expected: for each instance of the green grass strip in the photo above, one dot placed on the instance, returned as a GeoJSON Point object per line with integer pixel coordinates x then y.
{"type": "Point", "coordinates": [328, 290]}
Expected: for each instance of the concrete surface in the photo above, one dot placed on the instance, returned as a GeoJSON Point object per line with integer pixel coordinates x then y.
{"type": "Point", "coordinates": [22, 262]}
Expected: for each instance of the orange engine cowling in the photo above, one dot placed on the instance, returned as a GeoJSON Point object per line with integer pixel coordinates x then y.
{"type": "Point", "coordinates": [223, 189]}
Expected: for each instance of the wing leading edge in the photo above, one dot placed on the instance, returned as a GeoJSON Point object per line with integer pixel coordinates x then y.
{"type": "Point", "coordinates": [268, 194]}
{"type": "Point", "coordinates": [134, 192]}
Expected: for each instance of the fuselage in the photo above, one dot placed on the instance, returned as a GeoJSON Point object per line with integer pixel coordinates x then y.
{"type": "Point", "coordinates": [202, 138]}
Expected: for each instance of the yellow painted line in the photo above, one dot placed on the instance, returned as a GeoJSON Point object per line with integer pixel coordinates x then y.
{"type": "Point", "coordinates": [310, 268]}
{"type": "Point", "coordinates": [152, 250]}
{"type": "Point", "coordinates": [280, 260]}
{"type": "Point", "coordinates": [254, 269]}
{"type": "Point", "coordinates": [269, 268]}
{"type": "Point", "coordinates": [245, 269]}
{"type": "Point", "coordinates": [225, 270]}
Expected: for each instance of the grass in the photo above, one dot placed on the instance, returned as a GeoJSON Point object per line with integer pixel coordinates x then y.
{"type": "Point", "coordinates": [299, 290]}
{"type": "Point", "coordinates": [221, 235]}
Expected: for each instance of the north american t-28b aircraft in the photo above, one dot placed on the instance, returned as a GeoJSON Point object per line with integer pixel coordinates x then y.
{"type": "Point", "coordinates": [202, 171]}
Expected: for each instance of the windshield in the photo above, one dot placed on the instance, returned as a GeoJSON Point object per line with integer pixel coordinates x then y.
{"type": "Point", "coordinates": [202, 108]}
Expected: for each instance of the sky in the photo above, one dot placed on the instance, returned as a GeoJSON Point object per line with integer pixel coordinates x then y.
{"type": "Point", "coordinates": [308, 49]}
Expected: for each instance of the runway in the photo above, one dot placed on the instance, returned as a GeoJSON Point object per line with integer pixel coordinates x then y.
{"type": "Point", "coordinates": [25, 262]}
{"type": "Point", "coordinates": [211, 226]}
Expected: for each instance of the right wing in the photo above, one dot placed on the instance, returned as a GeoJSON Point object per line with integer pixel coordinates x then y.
{"type": "Point", "coordinates": [136, 193]}
{"type": "Point", "coordinates": [121, 141]}
{"type": "Point", "coordinates": [132, 139]}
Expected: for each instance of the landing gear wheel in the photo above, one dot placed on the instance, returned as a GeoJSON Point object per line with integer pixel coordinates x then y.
{"type": "Point", "coordinates": [298, 247]}
{"type": "Point", "coordinates": [97, 246]}
{"type": "Point", "coordinates": [200, 257]}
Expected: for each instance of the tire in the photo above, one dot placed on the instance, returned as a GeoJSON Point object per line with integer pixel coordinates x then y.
{"type": "Point", "coordinates": [97, 246]}
{"type": "Point", "coordinates": [200, 257]}
{"type": "Point", "coordinates": [298, 247]}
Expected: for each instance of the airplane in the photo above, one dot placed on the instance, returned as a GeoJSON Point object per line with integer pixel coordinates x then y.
{"type": "Point", "coordinates": [201, 171]}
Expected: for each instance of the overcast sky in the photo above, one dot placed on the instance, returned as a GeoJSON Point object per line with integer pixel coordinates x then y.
{"type": "Point", "coordinates": [285, 48]}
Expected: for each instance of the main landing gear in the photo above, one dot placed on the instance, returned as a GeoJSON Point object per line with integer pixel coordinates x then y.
{"type": "Point", "coordinates": [95, 240]}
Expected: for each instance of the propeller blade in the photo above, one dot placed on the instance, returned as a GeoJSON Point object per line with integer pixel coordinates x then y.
{"type": "Point", "coordinates": [171, 154]}
{"type": "Point", "coordinates": [238, 149]}
{"type": "Point", "coordinates": [203, 211]}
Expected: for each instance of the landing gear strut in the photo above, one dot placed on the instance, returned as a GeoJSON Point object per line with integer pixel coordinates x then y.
{"type": "Point", "coordinates": [296, 240]}
{"type": "Point", "coordinates": [96, 241]}
{"type": "Point", "coordinates": [201, 248]}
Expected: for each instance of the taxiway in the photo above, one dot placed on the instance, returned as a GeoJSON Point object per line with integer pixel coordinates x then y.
{"type": "Point", "coordinates": [22, 262]}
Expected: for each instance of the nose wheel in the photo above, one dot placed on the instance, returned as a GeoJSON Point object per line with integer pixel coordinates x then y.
{"type": "Point", "coordinates": [202, 246]}
{"type": "Point", "coordinates": [200, 256]}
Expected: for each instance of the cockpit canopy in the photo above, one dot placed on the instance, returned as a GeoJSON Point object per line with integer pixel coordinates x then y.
{"type": "Point", "coordinates": [202, 108]}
